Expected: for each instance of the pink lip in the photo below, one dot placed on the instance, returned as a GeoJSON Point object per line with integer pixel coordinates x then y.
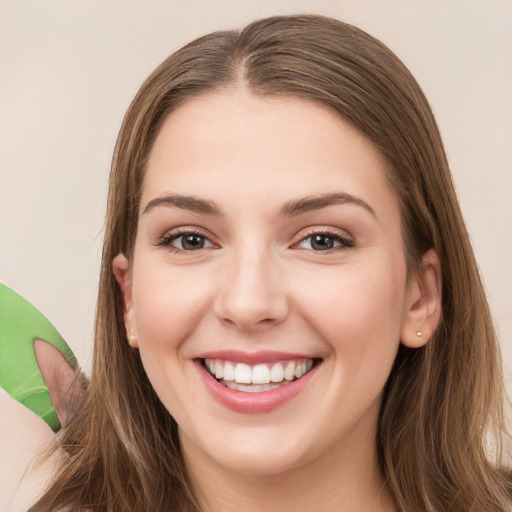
{"type": "Point", "coordinates": [252, 358]}
{"type": "Point", "coordinates": [252, 403]}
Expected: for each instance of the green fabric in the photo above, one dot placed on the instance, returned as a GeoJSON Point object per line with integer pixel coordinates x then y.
{"type": "Point", "coordinates": [20, 325]}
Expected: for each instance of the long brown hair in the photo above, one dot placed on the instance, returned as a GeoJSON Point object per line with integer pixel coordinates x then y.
{"type": "Point", "coordinates": [442, 403]}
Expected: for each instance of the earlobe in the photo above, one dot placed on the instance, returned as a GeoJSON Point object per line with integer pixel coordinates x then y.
{"type": "Point", "coordinates": [122, 272]}
{"type": "Point", "coordinates": [423, 312]}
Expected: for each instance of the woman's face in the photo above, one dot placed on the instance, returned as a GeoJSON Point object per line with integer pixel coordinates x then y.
{"type": "Point", "coordinates": [269, 246]}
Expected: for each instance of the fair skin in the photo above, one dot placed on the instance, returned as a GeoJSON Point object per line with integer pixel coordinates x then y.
{"type": "Point", "coordinates": [234, 263]}
{"type": "Point", "coordinates": [25, 439]}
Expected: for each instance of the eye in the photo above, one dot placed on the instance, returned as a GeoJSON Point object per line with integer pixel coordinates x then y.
{"type": "Point", "coordinates": [188, 241]}
{"type": "Point", "coordinates": [324, 242]}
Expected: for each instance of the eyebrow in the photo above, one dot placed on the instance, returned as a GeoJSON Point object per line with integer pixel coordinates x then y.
{"type": "Point", "coordinates": [311, 203]}
{"type": "Point", "coordinates": [289, 209]}
{"type": "Point", "coordinates": [190, 203]}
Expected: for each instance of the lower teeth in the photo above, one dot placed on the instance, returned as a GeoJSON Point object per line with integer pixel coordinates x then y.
{"type": "Point", "coordinates": [253, 388]}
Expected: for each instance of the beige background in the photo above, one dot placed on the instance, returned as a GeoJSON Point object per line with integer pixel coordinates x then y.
{"type": "Point", "coordinates": [68, 70]}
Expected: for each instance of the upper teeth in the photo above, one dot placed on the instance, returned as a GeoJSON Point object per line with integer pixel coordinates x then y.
{"type": "Point", "coordinates": [260, 373]}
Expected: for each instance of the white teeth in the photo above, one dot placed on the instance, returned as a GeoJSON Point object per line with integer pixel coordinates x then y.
{"type": "Point", "coordinates": [229, 371]}
{"type": "Point", "coordinates": [251, 388]}
{"type": "Point", "coordinates": [219, 367]}
{"type": "Point", "coordinates": [301, 370]}
{"type": "Point", "coordinates": [277, 373]}
{"type": "Point", "coordinates": [289, 372]}
{"type": "Point", "coordinates": [243, 373]}
{"type": "Point", "coordinates": [259, 375]}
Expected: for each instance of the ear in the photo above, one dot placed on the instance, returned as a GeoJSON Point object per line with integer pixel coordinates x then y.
{"type": "Point", "coordinates": [122, 271]}
{"type": "Point", "coordinates": [423, 307]}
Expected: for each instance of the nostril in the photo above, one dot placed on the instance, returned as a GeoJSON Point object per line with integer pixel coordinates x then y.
{"type": "Point", "coordinates": [249, 298]}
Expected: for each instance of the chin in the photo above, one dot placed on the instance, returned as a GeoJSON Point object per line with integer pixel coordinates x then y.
{"type": "Point", "coordinates": [259, 464]}
{"type": "Point", "coordinates": [259, 451]}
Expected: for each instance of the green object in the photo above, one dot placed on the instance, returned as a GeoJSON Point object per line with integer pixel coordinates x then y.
{"type": "Point", "coordinates": [21, 324]}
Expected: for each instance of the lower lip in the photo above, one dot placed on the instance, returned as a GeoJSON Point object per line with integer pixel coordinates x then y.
{"type": "Point", "coordinates": [253, 403]}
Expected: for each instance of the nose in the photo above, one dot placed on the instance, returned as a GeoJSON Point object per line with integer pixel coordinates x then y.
{"type": "Point", "coordinates": [251, 294]}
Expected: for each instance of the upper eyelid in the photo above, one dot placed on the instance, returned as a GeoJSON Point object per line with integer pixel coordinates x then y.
{"type": "Point", "coordinates": [301, 235]}
{"type": "Point", "coordinates": [185, 230]}
{"type": "Point", "coordinates": [314, 230]}
{"type": "Point", "coordinates": [345, 239]}
{"type": "Point", "coordinates": [175, 233]}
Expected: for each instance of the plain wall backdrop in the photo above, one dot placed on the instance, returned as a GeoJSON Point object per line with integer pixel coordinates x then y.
{"type": "Point", "coordinates": [69, 69]}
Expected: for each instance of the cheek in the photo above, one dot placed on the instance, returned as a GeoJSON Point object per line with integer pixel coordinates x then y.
{"type": "Point", "coordinates": [167, 305]}
{"type": "Point", "coordinates": [359, 312]}
{"type": "Point", "coordinates": [359, 319]}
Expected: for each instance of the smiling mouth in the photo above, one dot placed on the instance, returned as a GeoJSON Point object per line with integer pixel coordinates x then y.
{"type": "Point", "coordinates": [259, 377]}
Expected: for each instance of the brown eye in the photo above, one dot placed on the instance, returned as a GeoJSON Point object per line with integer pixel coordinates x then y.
{"type": "Point", "coordinates": [324, 242]}
{"type": "Point", "coordinates": [187, 242]}
{"type": "Point", "coordinates": [192, 242]}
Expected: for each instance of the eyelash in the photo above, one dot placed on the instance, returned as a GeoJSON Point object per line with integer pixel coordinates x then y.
{"type": "Point", "coordinates": [168, 239]}
{"type": "Point", "coordinates": [344, 241]}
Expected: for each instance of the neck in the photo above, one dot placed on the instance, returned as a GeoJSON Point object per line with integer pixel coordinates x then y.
{"type": "Point", "coordinates": [347, 478]}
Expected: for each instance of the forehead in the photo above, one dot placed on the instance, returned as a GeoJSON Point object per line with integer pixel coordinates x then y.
{"type": "Point", "coordinates": [235, 145]}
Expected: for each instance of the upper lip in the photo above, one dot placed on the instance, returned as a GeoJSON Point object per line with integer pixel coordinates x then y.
{"type": "Point", "coordinates": [252, 358]}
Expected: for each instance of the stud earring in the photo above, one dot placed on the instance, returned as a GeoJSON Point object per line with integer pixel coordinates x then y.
{"type": "Point", "coordinates": [130, 338]}
{"type": "Point", "coordinates": [419, 334]}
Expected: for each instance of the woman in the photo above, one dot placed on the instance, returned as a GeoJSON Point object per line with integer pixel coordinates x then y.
{"type": "Point", "coordinates": [306, 325]}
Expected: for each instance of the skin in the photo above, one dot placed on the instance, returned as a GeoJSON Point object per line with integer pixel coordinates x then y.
{"type": "Point", "coordinates": [259, 283]}
{"type": "Point", "coordinates": [25, 439]}
{"type": "Point", "coordinates": [58, 376]}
